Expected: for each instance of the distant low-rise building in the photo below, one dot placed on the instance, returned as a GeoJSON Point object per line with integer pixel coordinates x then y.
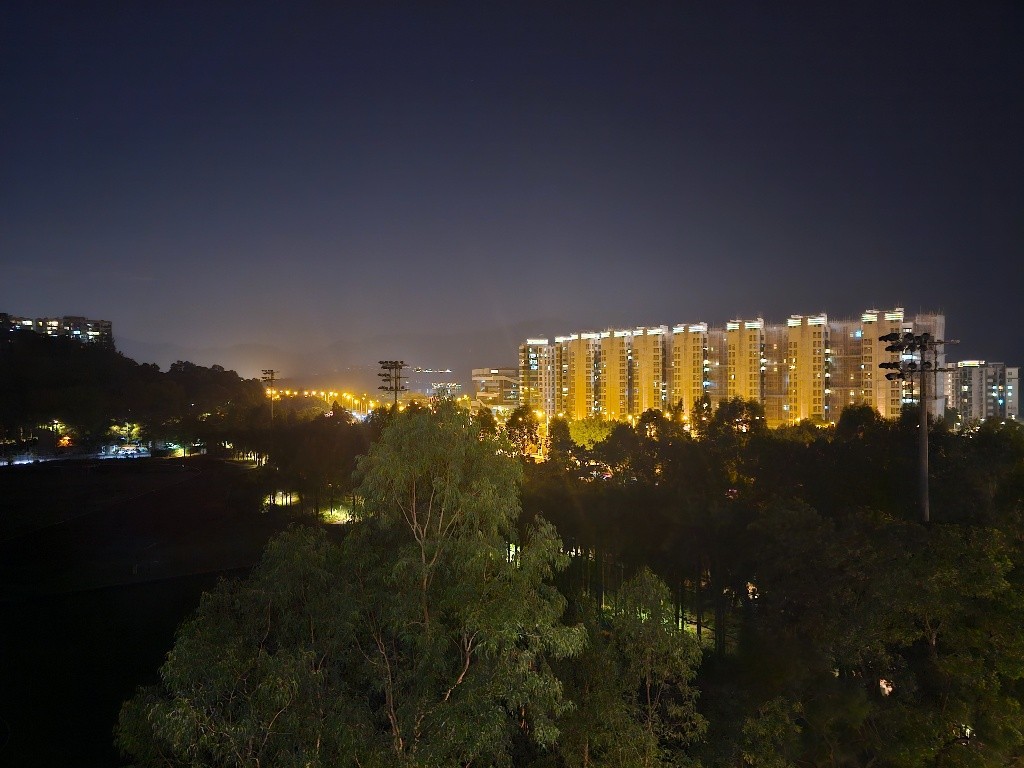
{"type": "Point", "coordinates": [430, 383]}
{"type": "Point", "coordinates": [496, 389]}
{"type": "Point", "coordinates": [75, 327]}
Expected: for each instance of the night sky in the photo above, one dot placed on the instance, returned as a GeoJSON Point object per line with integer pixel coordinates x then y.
{"type": "Point", "coordinates": [315, 186]}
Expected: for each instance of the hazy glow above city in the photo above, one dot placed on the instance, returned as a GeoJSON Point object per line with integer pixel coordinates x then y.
{"type": "Point", "coordinates": [312, 190]}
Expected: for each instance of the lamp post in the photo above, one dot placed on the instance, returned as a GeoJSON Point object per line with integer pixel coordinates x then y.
{"type": "Point", "coordinates": [909, 344]}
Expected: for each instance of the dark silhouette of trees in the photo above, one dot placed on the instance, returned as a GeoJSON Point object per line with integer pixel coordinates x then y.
{"type": "Point", "coordinates": [317, 458]}
{"type": "Point", "coordinates": [90, 388]}
{"type": "Point", "coordinates": [485, 418]}
{"type": "Point", "coordinates": [563, 453]}
{"type": "Point", "coordinates": [523, 430]}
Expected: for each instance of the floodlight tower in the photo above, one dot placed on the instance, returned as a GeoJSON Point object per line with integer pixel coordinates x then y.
{"type": "Point", "coordinates": [268, 376]}
{"type": "Point", "coordinates": [391, 373]}
{"type": "Point", "coordinates": [907, 345]}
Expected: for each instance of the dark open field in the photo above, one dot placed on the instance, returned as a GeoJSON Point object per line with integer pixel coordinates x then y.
{"type": "Point", "coordinates": [99, 563]}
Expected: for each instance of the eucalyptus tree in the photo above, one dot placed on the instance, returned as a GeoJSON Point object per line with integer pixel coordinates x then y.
{"type": "Point", "coordinates": [422, 638]}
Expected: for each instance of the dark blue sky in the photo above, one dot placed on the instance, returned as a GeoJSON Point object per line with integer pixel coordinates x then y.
{"type": "Point", "coordinates": [311, 186]}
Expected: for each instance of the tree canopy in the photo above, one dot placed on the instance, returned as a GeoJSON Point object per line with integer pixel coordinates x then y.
{"type": "Point", "coordinates": [423, 638]}
{"type": "Point", "coordinates": [781, 574]}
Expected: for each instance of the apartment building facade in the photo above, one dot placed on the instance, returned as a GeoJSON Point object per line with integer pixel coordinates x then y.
{"type": "Point", "coordinates": [75, 327]}
{"type": "Point", "coordinates": [980, 390]}
{"type": "Point", "coordinates": [811, 367]}
{"type": "Point", "coordinates": [496, 389]}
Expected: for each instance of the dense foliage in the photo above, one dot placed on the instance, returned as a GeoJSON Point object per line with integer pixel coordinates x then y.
{"type": "Point", "coordinates": [726, 596]}
{"type": "Point", "coordinates": [838, 630]}
{"type": "Point", "coordinates": [430, 634]}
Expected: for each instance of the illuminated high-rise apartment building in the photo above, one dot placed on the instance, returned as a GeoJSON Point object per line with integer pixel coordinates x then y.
{"type": "Point", "coordinates": [700, 366]}
{"type": "Point", "coordinates": [536, 375]}
{"type": "Point", "coordinates": [933, 324]}
{"type": "Point", "coordinates": [745, 363]}
{"type": "Point", "coordinates": [718, 366]}
{"type": "Point", "coordinates": [846, 365]}
{"type": "Point", "coordinates": [613, 374]}
{"type": "Point", "coordinates": [560, 364]}
{"type": "Point", "coordinates": [888, 396]}
{"type": "Point", "coordinates": [856, 353]}
{"type": "Point", "coordinates": [583, 386]}
{"type": "Point", "coordinates": [776, 375]}
{"type": "Point", "coordinates": [883, 394]}
{"type": "Point", "coordinates": [809, 372]}
{"type": "Point", "coordinates": [979, 390]}
{"type": "Point", "coordinates": [648, 387]}
{"type": "Point", "coordinates": [810, 368]}
{"type": "Point", "coordinates": [616, 369]}
{"type": "Point", "coordinates": [690, 375]}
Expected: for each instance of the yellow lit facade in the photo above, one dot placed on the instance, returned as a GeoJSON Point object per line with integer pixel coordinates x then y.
{"type": "Point", "coordinates": [689, 371]}
{"type": "Point", "coordinates": [808, 363]}
{"type": "Point", "coordinates": [883, 395]}
{"type": "Point", "coordinates": [536, 374]}
{"type": "Point", "coordinates": [616, 363]}
{"type": "Point", "coordinates": [648, 386]}
{"type": "Point", "coordinates": [700, 366]}
{"type": "Point", "coordinates": [745, 359]}
{"type": "Point", "coordinates": [810, 368]}
{"type": "Point", "coordinates": [583, 397]}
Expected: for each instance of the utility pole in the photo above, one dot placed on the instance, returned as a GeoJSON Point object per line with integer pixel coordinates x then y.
{"type": "Point", "coordinates": [908, 344]}
{"type": "Point", "coordinates": [268, 376]}
{"type": "Point", "coordinates": [391, 374]}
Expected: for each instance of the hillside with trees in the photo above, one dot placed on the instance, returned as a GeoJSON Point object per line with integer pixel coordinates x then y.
{"type": "Point", "coordinates": [90, 393]}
